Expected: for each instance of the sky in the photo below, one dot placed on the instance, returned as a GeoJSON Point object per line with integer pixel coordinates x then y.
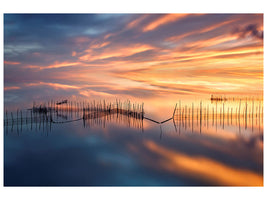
{"type": "Point", "coordinates": [135, 56]}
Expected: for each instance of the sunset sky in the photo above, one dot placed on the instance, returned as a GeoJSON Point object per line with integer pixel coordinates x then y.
{"type": "Point", "coordinates": [144, 56]}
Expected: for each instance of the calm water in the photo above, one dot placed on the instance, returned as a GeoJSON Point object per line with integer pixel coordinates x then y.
{"type": "Point", "coordinates": [216, 148]}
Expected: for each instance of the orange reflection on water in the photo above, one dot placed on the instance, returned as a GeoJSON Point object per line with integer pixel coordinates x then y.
{"type": "Point", "coordinates": [204, 168]}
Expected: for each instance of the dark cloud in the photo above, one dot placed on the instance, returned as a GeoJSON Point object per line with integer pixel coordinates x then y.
{"type": "Point", "coordinates": [64, 24]}
{"type": "Point", "coordinates": [54, 34]}
{"type": "Point", "coordinates": [251, 30]}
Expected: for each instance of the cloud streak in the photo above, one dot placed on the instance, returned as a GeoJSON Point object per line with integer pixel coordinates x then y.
{"type": "Point", "coordinates": [163, 20]}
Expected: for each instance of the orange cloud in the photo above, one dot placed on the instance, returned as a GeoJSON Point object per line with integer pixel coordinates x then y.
{"type": "Point", "coordinates": [11, 63]}
{"type": "Point", "coordinates": [73, 53]}
{"type": "Point", "coordinates": [206, 55]}
{"type": "Point", "coordinates": [163, 20]}
{"type": "Point", "coordinates": [81, 40]}
{"type": "Point", "coordinates": [136, 22]}
{"type": "Point", "coordinates": [203, 168]}
{"type": "Point", "coordinates": [203, 30]}
{"type": "Point", "coordinates": [109, 35]}
{"type": "Point", "coordinates": [200, 76]}
{"type": "Point", "coordinates": [211, 41]}
{"type": "Point", "coordinates": [99, 45]}
{"type": "Point", "coordinates": [56, 65]}
{"type": "Point", "coordinates": [121, 51]}
{"type": "Point", "coordinates": [11, 88]}
{"type": "Point", "coordinates": [215, 26]}
{"type": "Point", "coordinates": [61, 86]}
{"type": "Point", "coordinates": [90, 93]}
{"type": "Point", "coordinates": [63, 64]}
{"type": "Point", "coordinates": [54, 85]}
{"type": "Point", "coordinates": [214, 51]}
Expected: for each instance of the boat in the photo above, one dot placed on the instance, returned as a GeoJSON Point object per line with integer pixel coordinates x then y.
{"type": "Point", "coordinates": [62, 102]}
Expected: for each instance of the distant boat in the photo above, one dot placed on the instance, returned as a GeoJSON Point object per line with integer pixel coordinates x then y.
{"type": "Point", "coordinates": [217, 98]}
{"type": "Point", "coordinates": [62, 102]}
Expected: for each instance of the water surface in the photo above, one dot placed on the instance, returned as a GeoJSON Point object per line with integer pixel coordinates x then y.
{"type": "Point", "coordinates": [117, 150]}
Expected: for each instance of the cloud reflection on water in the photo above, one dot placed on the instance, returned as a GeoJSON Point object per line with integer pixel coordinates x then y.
{"type": "Point", "coordinates": [119, 154]}
{"type": "Point", "coordinates": [200, 167]}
